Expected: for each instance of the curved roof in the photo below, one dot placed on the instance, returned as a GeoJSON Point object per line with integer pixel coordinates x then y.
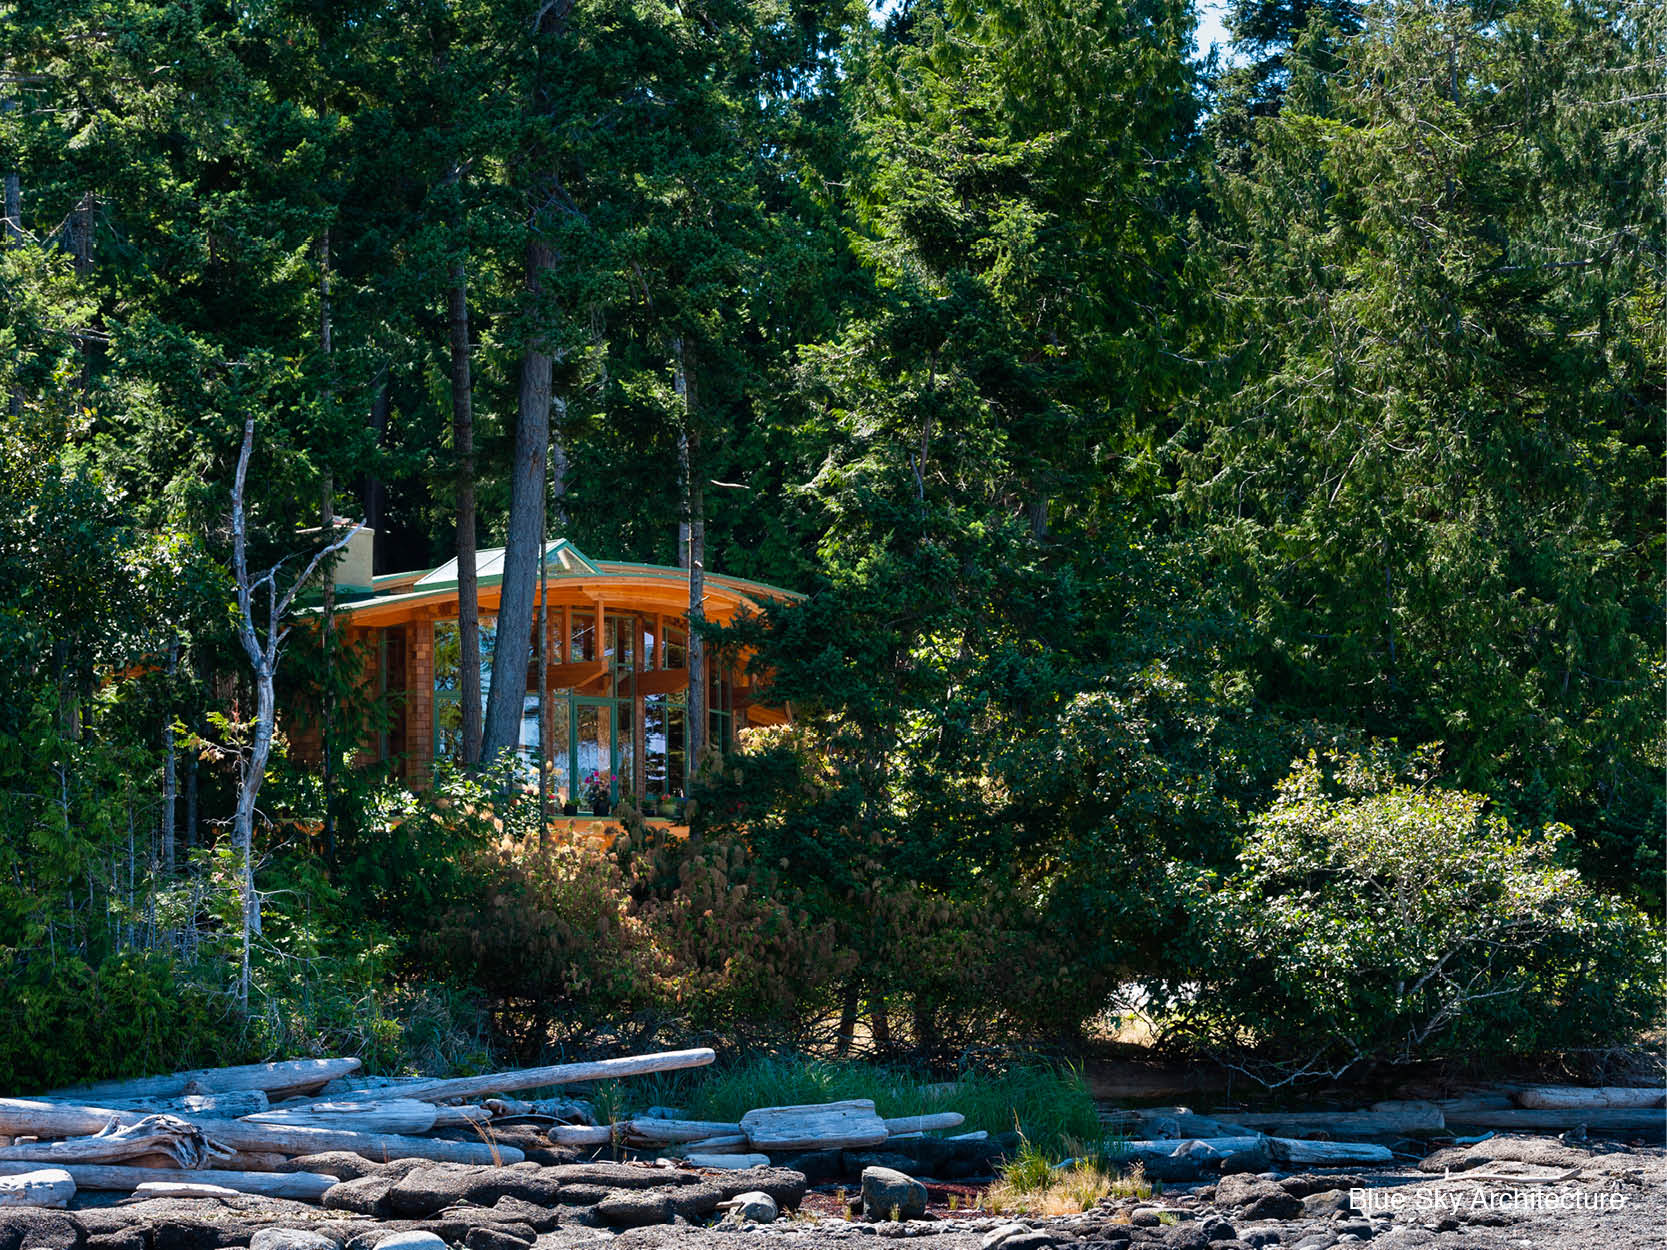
{"type": "Point", "coordinates": [570, 573]}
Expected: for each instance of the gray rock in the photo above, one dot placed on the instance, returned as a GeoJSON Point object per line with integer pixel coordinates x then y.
{"type": "Point", "coordinates": [498, 1237]}
{"type": "Point", "coordinates": [292, 1239]}
{"type": "Point", "coordinates": [632, 1208]}
{"type": "Point", "coordinates": [617, 1175]}
{"type": "Point", "coordinates": [120, 1239]}
{"type": "Point", "coordinates": [1259, 1237]}
{"type": "Point", "coordinates": [1305, 1183]}
{"type": "Point", "coordinates": [1001, 1233]}
{"type": "Point", "coordinates": [1330, 1202]}
{"type": "Point", "coordinates": [1185, 1236]}
{"type": "Point", "coordinates": [1144, 1217]}
{"type": "Point", "coordinates": [1257, 1198]}
{"type": "Point", "coordinates": [1030, 1239]}
{"type": "Point", "coordinates": [344, 1165]}
{"type": "Point", "coordinates": [1217, 1229]}
{"type": "Point", "coordinates": [754, 1205]}
{"type": "Point", "coordinates": [888, 1194]}
{"type": "Point", "coordinates": [428, 1189]}
{"type": "Point", "coordinates": [41, 1230]}
{"type": "Point", "coordinates": [411, 1240]}
{"type": "Point", "coordinates": [364, 1195]}
{"type": "Point", "coordinates": [786, 1186]}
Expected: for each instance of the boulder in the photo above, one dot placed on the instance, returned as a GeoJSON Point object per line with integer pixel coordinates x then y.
{"type": "Point", "coordinates": [1000, 1233]}
{"type": "Point", "coordinates": [364, 1195]}
{"type": "Point", "coordinates": [292, 1239]}
{"type": "Point", "coordinates": [1031, 1239]}
{"type": "Point", "coordinates": [500, 1237]}
{"type": "Point", "coordinates": [412, 1239]}
{"type": "Point", "coordinates": [786, 1186]}
{"type": "Point", "coordinates": [344, 1165]}
{"type": "Point", "coordinates": [1257, 1198]}
{"type": "Point", "coordinates": [423, 1191]}
{"type": "Point", "coordinates": [617, 1175]}
{"type": "Point", "coordinates": [754, 1205]}
{"type": "Point", "coordinates": [632, 1208]}
{"type": "Point", "coordinates": [888, 1194]}
{"type": "Point", "coordinates": [130, 1238]}
{"type": "Point", "coordinates": [41, 1230]}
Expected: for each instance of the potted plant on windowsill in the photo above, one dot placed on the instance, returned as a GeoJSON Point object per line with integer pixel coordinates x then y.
{"type": "Point", "coordinates": [599, 788]}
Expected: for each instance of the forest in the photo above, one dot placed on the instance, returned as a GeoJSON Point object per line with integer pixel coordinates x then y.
{"type": "Point", "coordinates": [1225, 488]}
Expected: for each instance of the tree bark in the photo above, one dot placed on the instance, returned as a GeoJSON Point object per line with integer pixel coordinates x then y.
{"type": "Point", "coordinates": [523, 546]}
{"type": "Point", "coordinates": [694, 515]}
{"type": "Point", "coordinates": [463, 445]}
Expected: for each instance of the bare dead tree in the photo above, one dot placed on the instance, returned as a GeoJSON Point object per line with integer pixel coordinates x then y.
{"type": "Point", "coordinates": [264, 648]}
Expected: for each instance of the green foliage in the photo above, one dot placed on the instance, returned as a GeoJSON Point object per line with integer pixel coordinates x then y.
{"type": "Point", "coordinates": [1377, 920]}
{"type": "Point", "coordinates": [1050, 1105]}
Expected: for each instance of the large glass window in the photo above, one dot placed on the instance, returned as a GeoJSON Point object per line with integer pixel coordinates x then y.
{"type": "Point", "coordinates": [448, 682]}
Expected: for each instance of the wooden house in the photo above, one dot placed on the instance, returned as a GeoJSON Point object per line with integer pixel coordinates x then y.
{"type": "Point", "coordinates": [616, 676]}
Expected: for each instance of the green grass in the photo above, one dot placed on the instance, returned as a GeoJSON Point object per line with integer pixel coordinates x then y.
{"type": "Point", "coordinates": [1049, 1105]}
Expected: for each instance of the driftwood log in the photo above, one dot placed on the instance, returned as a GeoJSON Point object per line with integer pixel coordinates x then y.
{"type": "Point", "coordinates": [1603, 1120]}
{"type": "Point", "coordinates": [653, 1132]}
{"type": "Point", "coordinates": [1283, 1149]}
{"type": "Point", "coordinates": [291, 1074]}
{"type": "Point", "coordinates": [396, 1115]}
{"type": "Point", "coordinates": [305, 1186]}
{"type": "Point", "coordinates": [898, 1125]}
{"type": "Point", "coordinates": [728, 1144]}
{"type": "Point", "coordinates": [533, 1078]}
{"type": "Point", "coordinates": [814, 1126]}
{"type": "Point", "coordinates": [580, 1134]}
{"type": "Point", "coordinates": [1345, 1123]}
{"type": "Point", "coordinates": [165, 1138]}
{"type": "Point", "coordinates": [42, 1187]}
{"type": "Point", "coordinates": [728, 1163]}
{"type": "Point", "coordinates": [21, 1116]}
{"type": "Point", "coordinates": [1601, 1098]}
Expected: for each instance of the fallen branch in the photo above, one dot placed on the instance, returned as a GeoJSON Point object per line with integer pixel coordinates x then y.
{"type": "Point", "coordinates": [288, 1075]}
{"type": "Point", "coordinates": [180, 1142]}
{"type": "Point", "coordinates": [399, 1115]}
{"type": "Point", "coordinates": [557, 1074]}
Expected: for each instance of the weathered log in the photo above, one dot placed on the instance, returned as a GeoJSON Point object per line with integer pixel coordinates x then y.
{"type": "Point", "coordinates": [1615, 1120]}
{"type": "Point", "coordinates": [1599, 1098]}
{"type": "Point", "coordinates": [180, 1142]}
{"type": "Point", "coordinates": [457, 1117]}
{"type": "Point", "coordinates": [398, 1115]}
{"type": "Point", "coordinates": [650, 1132]}
{"type": "Point", "coordinates": [1346, 1123]}
{"type": "Point", "coordinates": [232, 1105]}
{"type": "Point", "coordinates": [249, 1161]}
{"type": "Point", "coordinates": [975, 1135]}
{"type": "Point", "coordinates": [1163, 1148]}
{"type": "Point", "coordinates": [182, 1189]}
{"type": "Point", "coordinates": [580, 1134]}
{"type": "Point", "coordinates": [43, 1187]}
{"type": "Point", "coordinates": [728, 1163]}
{"type": "Point", "coordinates": [1180, 1122]}
{"type": "Point", "coordinates": [1284, 1149]}
{"type": "Point", "coordinates": [923, 1123]}
{"type": "Point", "coordinates": [1303, 1153]}
{"type": "Point", "coordinates": [59, 1119]}
{"type": "Point", "coordinates": [728, 1144]}
{"type": "Point", "coordinates": [815, 1126]}
{"type": "Point", "coordinates": [557, 1074]}
{"type": "Point", "coordinates": [287, 1075]}
{"type": "Point", "coordinates": [305, 1186]}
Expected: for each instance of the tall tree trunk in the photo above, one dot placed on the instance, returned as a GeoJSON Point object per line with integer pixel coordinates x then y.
{"type": "Point", "coordinates": [11, 235]}
{"type": "Point", "coordinates": [463, 441]}
{"type": "Point", "coordinates": [694, 513]}
{"type": "Point", "coordinates": [326, 522]}
{"type": "Point", "coordinates": [523, 548]}
{"type": "Point", "coordinates": [170, 774]}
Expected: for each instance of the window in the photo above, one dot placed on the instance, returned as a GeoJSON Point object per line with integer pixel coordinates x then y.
{"type": "Point", "coordinates": [448, 682]}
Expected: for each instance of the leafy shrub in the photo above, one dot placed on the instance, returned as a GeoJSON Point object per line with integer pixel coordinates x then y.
{"type": "Point", "coordinates": [1379, 920]}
